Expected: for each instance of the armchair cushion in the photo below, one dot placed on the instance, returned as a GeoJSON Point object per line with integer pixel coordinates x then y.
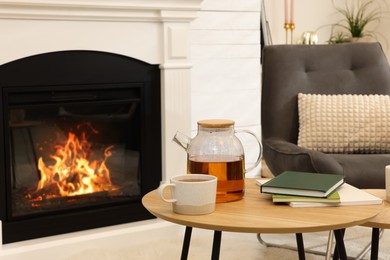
{"type": "Point", "coordinates": [361, 170]}
{"type": "Point", "coordinates": [344, 123]}
{"type": "Point", "coordinates": [282, 153]}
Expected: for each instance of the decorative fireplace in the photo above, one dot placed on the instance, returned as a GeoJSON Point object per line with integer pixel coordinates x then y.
{"type": "Point", "coordinates": [155, 32]}
{"type": "Point", "coordinates": [81, 142]}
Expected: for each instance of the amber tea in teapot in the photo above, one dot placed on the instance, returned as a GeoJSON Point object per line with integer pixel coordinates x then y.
{"type": "Point", "coordinates": [229, 170]}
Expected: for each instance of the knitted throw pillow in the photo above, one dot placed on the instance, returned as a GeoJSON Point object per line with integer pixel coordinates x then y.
{"type": "Point", "coordinates": [344, 123]}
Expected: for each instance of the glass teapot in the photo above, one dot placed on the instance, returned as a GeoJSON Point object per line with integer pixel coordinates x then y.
{"type": "Point", "coordinates": [216, 150]}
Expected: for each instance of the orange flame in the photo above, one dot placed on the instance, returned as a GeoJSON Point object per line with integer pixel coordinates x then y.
{"type": "Point", "coordinates": [72, 174]}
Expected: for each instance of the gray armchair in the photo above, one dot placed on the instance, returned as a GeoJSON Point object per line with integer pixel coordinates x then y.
{"type": "Point", "coordinates": [350, 68]}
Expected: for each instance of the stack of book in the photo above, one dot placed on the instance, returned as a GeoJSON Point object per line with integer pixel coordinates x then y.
{"type": "Point", "coordinates": [303, 189]}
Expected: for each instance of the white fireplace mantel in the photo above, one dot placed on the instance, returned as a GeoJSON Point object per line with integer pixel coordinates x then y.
{"type": "Point", "coordinates": [154, 31]}
{"type": "Point", "coordinates": [101, 10]}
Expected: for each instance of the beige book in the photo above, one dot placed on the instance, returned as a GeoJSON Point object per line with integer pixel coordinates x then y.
{"type": "Point", "coordinates": [349, 196]}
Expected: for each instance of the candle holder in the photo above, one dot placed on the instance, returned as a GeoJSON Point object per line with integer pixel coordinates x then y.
{"type": "Point", "coordinates": [286, 27]}
{"type": "Point", "coordinates": [289, 27]}
{"type": "Point", "coordinates": [292, 27]}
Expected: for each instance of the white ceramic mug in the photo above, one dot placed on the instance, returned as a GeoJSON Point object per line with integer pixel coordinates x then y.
{"type": "Point", "coordinates": [192, 194]}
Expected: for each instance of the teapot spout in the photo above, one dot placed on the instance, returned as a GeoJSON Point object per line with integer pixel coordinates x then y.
{"type": "Point", "coordinates": [182, 140]}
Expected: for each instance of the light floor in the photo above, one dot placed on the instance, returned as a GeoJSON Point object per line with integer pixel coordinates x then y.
{"type": "Point", "coordinates": [163, 240]}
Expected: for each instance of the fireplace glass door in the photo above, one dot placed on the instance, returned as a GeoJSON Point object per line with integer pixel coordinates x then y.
{"type": "Point", "coordinates": [71, 148]}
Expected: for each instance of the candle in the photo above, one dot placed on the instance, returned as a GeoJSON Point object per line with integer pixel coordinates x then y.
{"type": "Point", "coordinates": [291, 11]}
{"type": "Point", "coordinates": [387, 181]}
{"type": "Point", "coordinates": [285, 11]}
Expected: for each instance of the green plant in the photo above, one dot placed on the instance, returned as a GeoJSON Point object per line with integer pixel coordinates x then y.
{"type": "Point", "coordinates": [357, 14]}
{"type": "Point", "coordinates": [338, 37]}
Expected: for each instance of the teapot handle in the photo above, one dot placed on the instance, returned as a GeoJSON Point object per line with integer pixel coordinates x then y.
{"type": "Point", "coordinates": [260, 149]}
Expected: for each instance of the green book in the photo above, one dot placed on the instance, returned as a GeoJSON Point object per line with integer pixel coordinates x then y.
{"type": "Point", "coordinates": [303, 184]}
{"type": "Point", "coordinates": [334, 197]}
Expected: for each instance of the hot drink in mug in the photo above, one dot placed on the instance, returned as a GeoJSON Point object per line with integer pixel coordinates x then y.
{"type": "Point", "coordinates": [191, 194]}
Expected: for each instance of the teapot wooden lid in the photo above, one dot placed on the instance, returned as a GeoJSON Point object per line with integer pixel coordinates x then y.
{"type": "Point", "coordinates": [216, 123]}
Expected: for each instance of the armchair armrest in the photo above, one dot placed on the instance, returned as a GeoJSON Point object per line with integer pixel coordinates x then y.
{"type": "Point", "coordinates": [281, 155]}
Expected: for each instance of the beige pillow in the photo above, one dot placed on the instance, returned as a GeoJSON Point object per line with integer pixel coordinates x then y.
{"type": "Point", "coordinates": [344, 123]}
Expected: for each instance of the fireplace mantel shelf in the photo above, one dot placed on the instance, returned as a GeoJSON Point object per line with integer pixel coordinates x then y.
{"type": "Point", "coordinates": [101, 10]}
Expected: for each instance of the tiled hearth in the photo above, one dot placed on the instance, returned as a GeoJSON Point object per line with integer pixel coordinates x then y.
{"type": "Point", "coordinates": [156, 32]}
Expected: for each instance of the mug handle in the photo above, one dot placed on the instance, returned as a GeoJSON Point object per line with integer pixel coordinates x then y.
{"type": "Point", "coordinates": [161, 191]}
{"type": "Point", "coordinates": [260, 149]}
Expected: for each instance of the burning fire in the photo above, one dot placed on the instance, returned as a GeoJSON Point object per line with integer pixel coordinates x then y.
{"type": "Point", "coordinates": [72, 174]}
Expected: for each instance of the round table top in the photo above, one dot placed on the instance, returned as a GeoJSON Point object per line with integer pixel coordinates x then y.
{"type": "Point", "coordinates": [382, 220]}
{"type": "Point", "coordinates": [256, 213]}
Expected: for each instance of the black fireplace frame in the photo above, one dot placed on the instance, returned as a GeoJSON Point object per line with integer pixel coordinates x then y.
{"type": "Point", "coordinates": [57, 70]}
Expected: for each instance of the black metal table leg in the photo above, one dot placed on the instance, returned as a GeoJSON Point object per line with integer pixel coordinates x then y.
{"type": "Point", "coordinates": [300, 246]}
{"type": "Point", "coordinates": [216, 245]}
{"type": "Point", "coordinates": [374, 243]}
{"type": "Point", "coordinates": [340, 252]}
{"type": "Point", "coordinates": [186, 243]}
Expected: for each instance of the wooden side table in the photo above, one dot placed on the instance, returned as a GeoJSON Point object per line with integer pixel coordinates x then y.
{"type": "Point", "coordinates": [380, 221]}
{"type": "Point", "coordinates": [256, 213]}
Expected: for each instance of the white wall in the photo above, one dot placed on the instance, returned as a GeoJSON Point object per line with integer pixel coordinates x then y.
{"type": "Point", "coordinates": [225, 51]}
{"type": "Point", "coordinates": [315, 15]}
